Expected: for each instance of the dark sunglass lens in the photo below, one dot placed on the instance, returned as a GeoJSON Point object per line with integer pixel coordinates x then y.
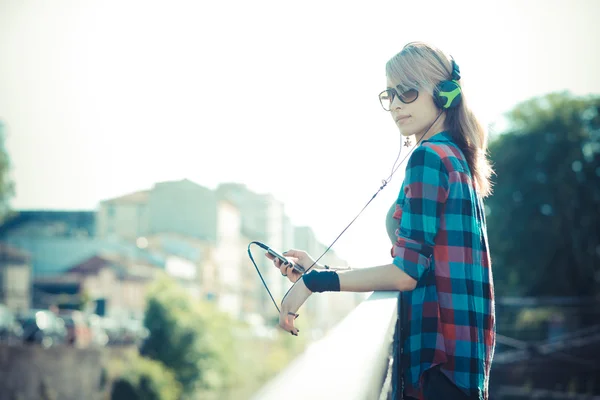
{"type": "Point", "coordinates": [409, 96]}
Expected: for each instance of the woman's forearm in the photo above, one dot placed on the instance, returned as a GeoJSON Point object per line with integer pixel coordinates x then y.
{"type": "Point", "coordinates": [383, 277]}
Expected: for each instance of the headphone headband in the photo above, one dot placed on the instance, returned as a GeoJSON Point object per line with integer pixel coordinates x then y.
{"type": "Point", "coordinates": [447, 93]}
{"type": "Point", "coordinates": [455, 70]}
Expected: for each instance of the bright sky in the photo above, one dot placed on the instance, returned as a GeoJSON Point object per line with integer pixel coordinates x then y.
{"type": "Point", "coordinates": [101, 98]}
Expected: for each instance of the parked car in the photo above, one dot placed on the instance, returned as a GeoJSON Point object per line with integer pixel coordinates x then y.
{"type": "Point", "coordinates": [135, 331]}
{"type": "Point", "coordinates": [10, 329]}
{"type": "Point", "coordinates": [112, 329]}
{"type": "Point", "coordinates": [42, 327]}
{"type": "Point", "coordinates": [99, 335]}
{"type": "Point", "coordinates": [79, 333]}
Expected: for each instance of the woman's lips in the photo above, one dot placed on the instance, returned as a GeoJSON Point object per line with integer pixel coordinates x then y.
{"type": "Point", "coordinates": [402, 118]}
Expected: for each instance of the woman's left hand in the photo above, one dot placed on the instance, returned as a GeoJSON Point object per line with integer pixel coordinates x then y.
{"type": "Point", "coordinates": [291, 304]}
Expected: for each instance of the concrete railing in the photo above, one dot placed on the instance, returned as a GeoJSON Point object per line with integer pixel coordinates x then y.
{"type": "Point", "coordinates": [354, 361]}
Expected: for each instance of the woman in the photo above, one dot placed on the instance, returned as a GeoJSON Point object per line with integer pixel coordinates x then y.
{"type": "Point", "coordinates": [437, 226]}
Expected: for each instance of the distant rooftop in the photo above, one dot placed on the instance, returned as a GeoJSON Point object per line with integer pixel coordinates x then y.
{"type": "Point", "coordinates": [138, 197]}
{"type": "Point", "coordinates": [94, 264]}
{"type": "Point", "coordinates": [12, 254]}
{"type": "Point", "coordinates": [80, 220]}
{"type": "Point", "coordinates": [55, 255]}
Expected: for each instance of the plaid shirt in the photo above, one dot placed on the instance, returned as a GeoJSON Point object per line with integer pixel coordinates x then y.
{"type": "Point", "coordinates": [448, 318]}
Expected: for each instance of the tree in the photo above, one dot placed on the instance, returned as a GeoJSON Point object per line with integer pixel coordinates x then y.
{"type": "Point", "coordinates": [544, 214]}
{"type": "Point", "coordinates": [210, 354]}
{"type": "Point", "coordinates": [191, 339]}
{"type": "Point", "coordinates": [144, 379]}
{"type": "Point", "coordinates": [7, 187]}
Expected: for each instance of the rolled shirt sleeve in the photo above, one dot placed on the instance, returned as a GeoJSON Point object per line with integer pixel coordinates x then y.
{"type": "Point", "coordinates": [422, 200]}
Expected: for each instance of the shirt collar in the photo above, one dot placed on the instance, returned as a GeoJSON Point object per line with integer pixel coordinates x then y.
{"type": "Point", "coordinates": [443, 136]}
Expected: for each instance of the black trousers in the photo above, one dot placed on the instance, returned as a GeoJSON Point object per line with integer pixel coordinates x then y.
{"type": "Point", "coordinates": [437, 386]}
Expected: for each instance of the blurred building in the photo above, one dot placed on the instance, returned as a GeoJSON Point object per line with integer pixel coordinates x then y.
{"type": "Point", "coordinates": [15, 278]}
{"type": "Point", "coordinates": [199, 256]}
{"type": "Point", "coordinates": [49, 223]}
{"type": "Point", "coordinates": [187, 220]}
{"type": "Point", "coordinates": [198, 236]}
{"type": "Point", "coordinates": [65, 261]}
{"type": "Point", "coordinates": [325, 309]}
{"type": "Point", "coordinates": [180, 207]}
{"type": "Point", "coordinates": [262, 219]}
{"type": "Point", "coordinates": [125, 216]}
{"type": "Point", "coordinates": [228, 258]}
{"type": "Point", "coordinates": [110, 284]}
{"type": "Point", "coordinates": [51, 256]}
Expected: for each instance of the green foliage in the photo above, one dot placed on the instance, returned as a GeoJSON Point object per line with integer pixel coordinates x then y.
{"type": "Point", "coordinates": [193, 340]}
{"type": "Point", "coordinates": [544, 215]}
{"type": "Point", "coordinates": [145, 379]}
{"type": "Point", "coordinates": [260, 359]}
{"type": "Point", "coordinates": [210, 354]}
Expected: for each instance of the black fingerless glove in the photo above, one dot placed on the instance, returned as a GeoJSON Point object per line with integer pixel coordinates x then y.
{"type": "Point", "coordinates": [322, 281]}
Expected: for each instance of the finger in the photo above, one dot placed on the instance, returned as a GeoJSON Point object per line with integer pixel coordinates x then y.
{"type": "Point", "coordinates": [269, 256]}
{"type": "Point", "coordinates": [286, 320]}
{"type": "Point", "coordinates": [293, 331]}
{"type": "Point", "coordinates": [294, 277]}
{"type": "Point", "coordinates": [293, 260]}
{"type": "Point", "coordinates": [293, 253]}
{"type": "Point", "coordinates": [283, 269]}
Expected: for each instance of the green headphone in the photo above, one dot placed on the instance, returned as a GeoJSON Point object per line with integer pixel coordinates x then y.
{"type": "Point", "coordinates": [447, 94]}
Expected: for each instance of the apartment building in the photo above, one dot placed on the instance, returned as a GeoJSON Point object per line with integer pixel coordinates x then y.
{"type": "Point", "coordinates": [15, 278]}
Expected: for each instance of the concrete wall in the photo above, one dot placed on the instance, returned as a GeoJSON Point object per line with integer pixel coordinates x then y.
{"type": "Point", "coordinates": [183, 207]}
{"type": "Point", "coordinates": [229, 252]}
{"type": "Point", "coordinates": [15, 284]}
{"type": "Point", "coordinates": [125, 220]}
{"type": "Point", "coordinates": [64, 373]}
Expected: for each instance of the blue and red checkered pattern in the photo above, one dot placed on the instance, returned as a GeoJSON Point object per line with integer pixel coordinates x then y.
{"type": "Point", "coordinates": [448, 318]}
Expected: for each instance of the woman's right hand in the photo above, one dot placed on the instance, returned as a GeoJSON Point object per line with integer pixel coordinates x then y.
{"type": "Point", "coordinates": [286, 270]}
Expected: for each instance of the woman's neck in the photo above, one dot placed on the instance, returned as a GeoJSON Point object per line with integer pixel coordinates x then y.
{"type": "Point", "coordinates": [437, 127]}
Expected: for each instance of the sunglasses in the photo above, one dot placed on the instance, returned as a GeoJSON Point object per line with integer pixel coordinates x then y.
{"type": "Point", "coordinates": [386, 98]}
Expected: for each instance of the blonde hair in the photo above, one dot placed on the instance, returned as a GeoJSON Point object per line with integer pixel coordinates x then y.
{"type": "Point", "coordinates": [421, 65]}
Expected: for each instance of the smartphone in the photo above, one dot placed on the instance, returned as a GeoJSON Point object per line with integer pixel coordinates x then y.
{"type": "Point", "coordinates": [284, 260]}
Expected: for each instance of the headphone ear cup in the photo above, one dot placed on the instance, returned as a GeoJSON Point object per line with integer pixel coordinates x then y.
{"type": "Point", "coordinates": [447, 94]}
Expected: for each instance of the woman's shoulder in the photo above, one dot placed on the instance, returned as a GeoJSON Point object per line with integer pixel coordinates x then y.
{"type": "Point", "coordinates": [447, 153]}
